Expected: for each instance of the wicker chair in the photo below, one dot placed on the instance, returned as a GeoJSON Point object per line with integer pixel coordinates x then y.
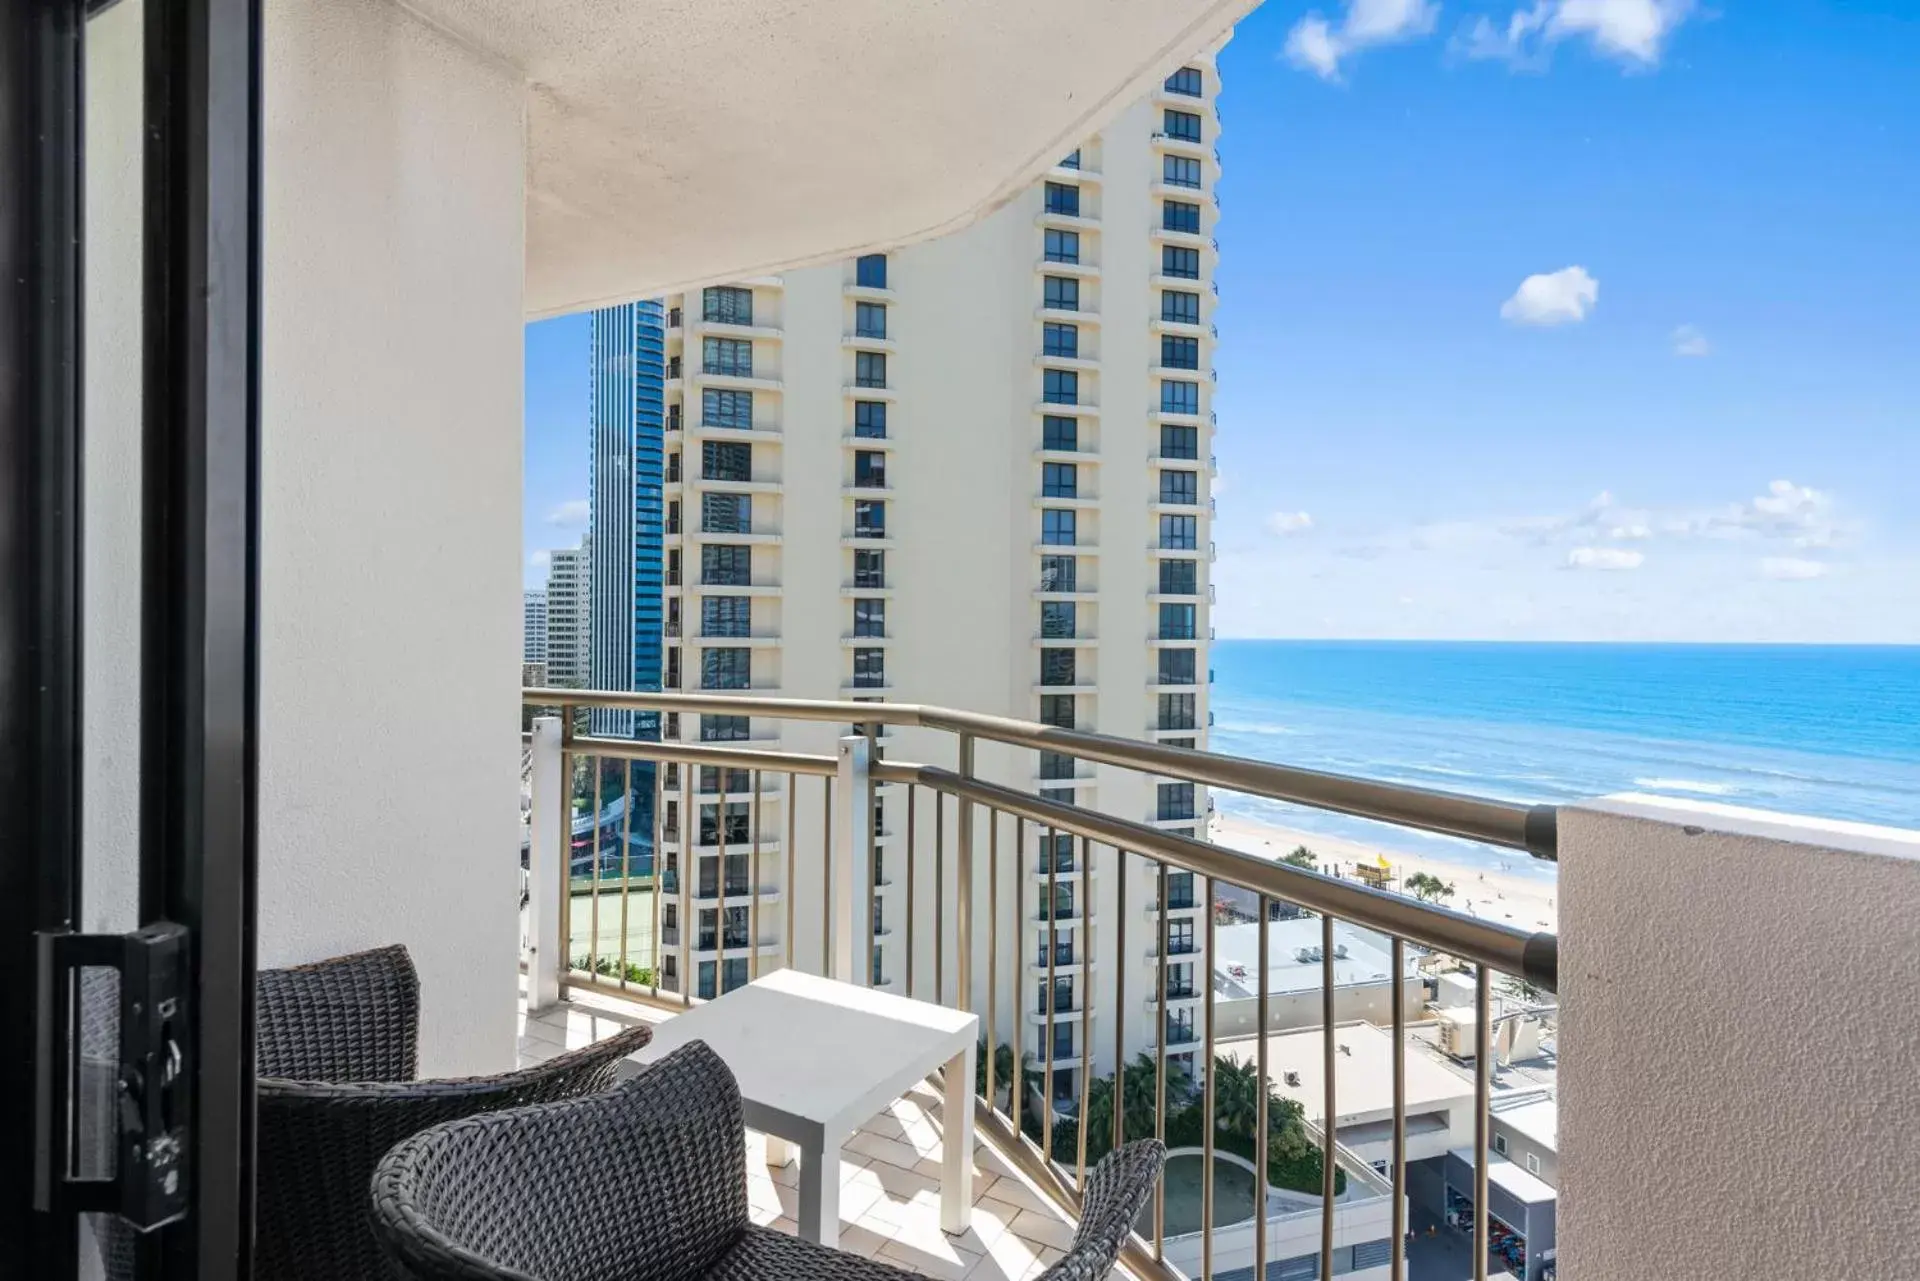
{"type": "Point", "coordinates": [338, 1046]}
{"type": "Point", "coordinates": [646, 1182]}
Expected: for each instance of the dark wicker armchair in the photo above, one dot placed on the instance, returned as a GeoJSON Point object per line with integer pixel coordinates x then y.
{"type": "Point", "coordinates": [646, 1182]}
{"type": "Point", "coordinates": [338, 1048]}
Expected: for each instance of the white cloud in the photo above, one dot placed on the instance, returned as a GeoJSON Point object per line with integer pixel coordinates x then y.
{"type": "Point", "coordinates": [1285, 523]}
{"type": "Point", "coordinates": [1791, 568]}
{"type": "Point", "coordinates": [1632, 31]}
{"type": "Point", "coordinates": [1552, 298]}
{"type": "Point", "coordinates": [1318, 45]}
{"type": "Point", "coordinates": [1604, 558]}
{"type": "Point", "coordinates": [1689, 341]}
{"type": "Point", "coordinates": [574, 511]}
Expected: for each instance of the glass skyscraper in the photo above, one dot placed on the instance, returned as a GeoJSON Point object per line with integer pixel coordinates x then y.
{"type": "Point", "coordinates": [626, 416]}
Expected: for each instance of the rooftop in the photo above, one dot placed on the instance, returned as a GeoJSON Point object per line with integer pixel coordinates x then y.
{"type": "Point", "coordinates": [1536, 1117]}
{"type": "Point", "coordinates": [1363, 1076]}
{"type": "Point", "coordinates": [1504, 1174]}
{"type": "Point", "coordinates": [1368, 958]}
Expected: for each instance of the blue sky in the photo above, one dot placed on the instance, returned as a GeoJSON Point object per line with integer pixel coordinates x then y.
{"type": "Point", "coordinates": [1572, 319]}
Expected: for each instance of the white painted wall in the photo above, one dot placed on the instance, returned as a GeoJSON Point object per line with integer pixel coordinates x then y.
{"type": "Point", "coordinates": [391, 530]}
{"type": "Point", "coordinates": [1738, 1038]}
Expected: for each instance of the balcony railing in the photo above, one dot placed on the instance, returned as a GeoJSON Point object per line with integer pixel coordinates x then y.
{"type": "Point", "coordinates": [960, 938]}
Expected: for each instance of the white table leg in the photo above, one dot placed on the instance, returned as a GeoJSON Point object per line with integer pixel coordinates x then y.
{"type": "Point", "coordinates": [780, 1151]}
{"type": "Point", "coordinates": [820, 1196]}
{"type": "Point", "coordinates": [956, 1155]}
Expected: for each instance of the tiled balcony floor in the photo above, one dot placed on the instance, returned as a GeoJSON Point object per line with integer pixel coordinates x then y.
{"type": "Point", "coordinates": [889, 1174]}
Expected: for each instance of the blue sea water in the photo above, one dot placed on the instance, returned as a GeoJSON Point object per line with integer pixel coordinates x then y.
{"type": "Point", "coordinates": [1832, 731]}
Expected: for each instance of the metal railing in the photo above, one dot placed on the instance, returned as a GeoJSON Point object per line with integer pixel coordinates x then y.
{"type": "Point", "coordinates": [955, 819]}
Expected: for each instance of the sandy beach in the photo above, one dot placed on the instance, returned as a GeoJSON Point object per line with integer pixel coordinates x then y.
{"type": "Point", "coordinates": [1516, 900]}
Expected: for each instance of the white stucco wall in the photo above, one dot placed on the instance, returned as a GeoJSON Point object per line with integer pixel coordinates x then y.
{"type": "Point", "coordinates": [390, 609]}
{"type": "Point", "coordinates": [1738, 1039]}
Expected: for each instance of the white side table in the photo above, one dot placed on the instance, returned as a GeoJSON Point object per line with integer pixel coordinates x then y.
{"type": "Point", "coordinates": [817, 1058]}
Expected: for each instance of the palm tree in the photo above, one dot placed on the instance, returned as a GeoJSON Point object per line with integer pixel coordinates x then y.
{"type": "Point", "coordinates": [1003, 1072]}
{"type": "Point", "coordinates": [1428, 888]}
{"type": "Point", "coordinates": [1141, 1089]}
{"type": "Point", "coordinates": [1236, 1097]}
{"type": "Point", "coordinates": [1303, 857]}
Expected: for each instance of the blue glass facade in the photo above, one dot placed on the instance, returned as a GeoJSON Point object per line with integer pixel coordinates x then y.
{"type": "Point", "coordinates": [626, 443]}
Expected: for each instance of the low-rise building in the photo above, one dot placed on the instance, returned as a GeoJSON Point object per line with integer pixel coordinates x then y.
{"type": "Point", "coordinates": [1364, 984]}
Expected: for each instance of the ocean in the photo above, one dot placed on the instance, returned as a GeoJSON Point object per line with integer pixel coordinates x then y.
{"type": "Point", "coordinates": [1832, 731]}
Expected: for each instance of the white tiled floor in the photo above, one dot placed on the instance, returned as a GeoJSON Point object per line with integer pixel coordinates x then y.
{"type": "Point", "coordinates": [889, 1174]}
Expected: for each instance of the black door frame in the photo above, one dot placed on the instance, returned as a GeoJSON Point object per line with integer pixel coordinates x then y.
{"type": "Point", "coordinates": [199, 580]}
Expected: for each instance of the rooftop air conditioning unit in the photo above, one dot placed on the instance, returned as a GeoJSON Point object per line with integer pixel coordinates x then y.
{"type": "Point", "coordinates": [1340, 951]}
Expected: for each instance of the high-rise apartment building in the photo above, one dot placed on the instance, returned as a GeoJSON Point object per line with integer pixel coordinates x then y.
{"type": "Point", "coordinates": [567, 616]}
{"type": "Point", "coordinates": [972, 472]}
{"type": "Point", "coordinates": [533, 643]}
{"type": "Point", "coordinates": [626, 421]}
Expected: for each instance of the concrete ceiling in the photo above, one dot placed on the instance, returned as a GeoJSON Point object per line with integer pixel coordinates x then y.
{"type": "Point", "coordinates": [676, 142]}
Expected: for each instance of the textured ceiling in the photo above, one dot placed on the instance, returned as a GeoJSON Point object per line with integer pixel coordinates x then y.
{"type": "Point", "coordinates": [678, 142]}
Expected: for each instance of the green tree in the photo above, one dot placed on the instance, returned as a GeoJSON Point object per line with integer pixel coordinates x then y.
{"type": "Point", "coordinates": [1303, 857]}
{"type": "Point", "coordinates": [1428, 888]}
{"type": "Point", "coordinates": [1236, 1098]}
{"type": "Point", "coordinates": [1141, 1091]}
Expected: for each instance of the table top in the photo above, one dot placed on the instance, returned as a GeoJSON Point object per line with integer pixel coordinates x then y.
{"type": "Point", "coordinates": [815, 1057]}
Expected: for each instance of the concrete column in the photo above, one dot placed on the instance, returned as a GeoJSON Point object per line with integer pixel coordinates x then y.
{"type": "Point", "coordinates": [1738, 1040]}
{"type": "Point", "coordinates": [391, 371]}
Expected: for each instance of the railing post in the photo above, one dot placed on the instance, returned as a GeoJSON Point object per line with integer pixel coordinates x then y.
{"type": "Point", "coordinates": [963, 890]}
{"type": "Point", "coordinates": [852, 864]}
{"type": "Point", "coordinates": [546, 866]}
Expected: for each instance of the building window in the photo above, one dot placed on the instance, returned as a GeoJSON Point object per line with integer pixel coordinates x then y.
{"type": "Point", "coordinates": [1059, 574]}
{"type": "Point", "coordinates": [730, 356]}
{"type": "Point", "coordinates": [1187, 82]}
{"type": "Point", "coordinates": [1055, 765]}
{"type": "Point", "coordinates": [870, 419]}
{"type": "Point", "coordinates": [1180, 171]}
{"type": "Point", "coordinates": [1179, 215]}
{"type": "Point", "coordinates": [1181, 263]}
{"type": "Point", "coordinates": [869, 569]}
{"type": "Point", "coordinates": [1061, 293]}
{"type": "Point", "coordinates": [869, 469]}
{"type": "Point", "coordinates": [726, 460]}
{"type": "Point", "coordinates": [1056, 667]}
{"type": "Point", "coordinates": [1176, 668]}
{"type": "Point", "coordinates": [673, 469]}
{"type": "Point", "coordinates": [870, 369]}
{"type": "Point", "coordinates": [1180, 533]}
{"type": "Point", "coordinates": [1176, 710]}
{"type": "Point", "coordinates": [1063, 198]}
{"type": "Point", "coordinates": [726, 305]}
{"type": "Point", "coordinates": [869, 668]}
{"type": "Point", "coordinates": [1057, 710]}
{"type": "Point", "coordinates": [725, 566]}
{"type": "Point", "coordinates": [726, 668]}
{"type": "Point", "coordinates": [724, 729]}
{"type": "Point", "coordinates": [1060, 340]}
{"type": "Point", "coordinates": [673, 517]}
{"type": "Point", "coordinates": [1178, 307]}
{"type": "Point", "coordinates": [1057, 527]}
{"type": "Point", "coordinates": [870, 271]}
{"type": "Point", "coordinates": [1057, 619]}
{"type": "Point", "coordinates": [869, 320]}
{"type": "Point", "coordinates": [1059, 480]}
{"type": "Point", "coordinates": [1057, 431]}
{"type": "Point", "coordinates": [1177, 441]}
{"type": "Point", "coordinates": [710, 780]}
{"type": "Point", "coordinates": [1184, 125]}
{"type": "Point", "coordinates": [673, 418]}
{"type": "Point", "coordinates": [1179, 578]}
{"type": "Point", "coordinates": [1500, 1144]}
{"type": "Point", "coordinates": [1180, 487]}
{"type": "Point", "coordinates": [1179, 353]}
{"type": "Point", "coordinates": [1179, 397]}
{"type": "Point", "coordinates": [1176, 623]}
{"type": "Point", "coordinates": [1533, 1163]}
{"type": "Point", "coordinates": [1060, 386]}
{"type": "Point", "coordinates": [726, 616]}
{"type": "Point", "coordinates": [869, 518]}
{"type": "Point", "coordinates": [870, 617]}
{"type": "Point", "coordinates": [719, 408]}
{"type": "Point", "coordinates": [1071, 160]}
{"type": "Point", "coordinates": [726, 513]}
{"type": "Point", "coordinates": [1062, 246]}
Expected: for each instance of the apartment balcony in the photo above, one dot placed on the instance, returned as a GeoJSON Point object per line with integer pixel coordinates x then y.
{"type": "Point", "coordinates": [1183, 328]}
{"type": "Point", "coordinates": [738, 381]}
{"type": "Point", "coordinates": [747, 330]}
{"type": "Point", "coordinates": [1080, 269]}
{"type": "Point", "coordinates": [869, 342]}
{"type": "Point", "coordinates": [1083, 317]}
{"type": "Point", "coordinates": [871, 293]}
{"type": "Point", "coordinates": [1066, 221]}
